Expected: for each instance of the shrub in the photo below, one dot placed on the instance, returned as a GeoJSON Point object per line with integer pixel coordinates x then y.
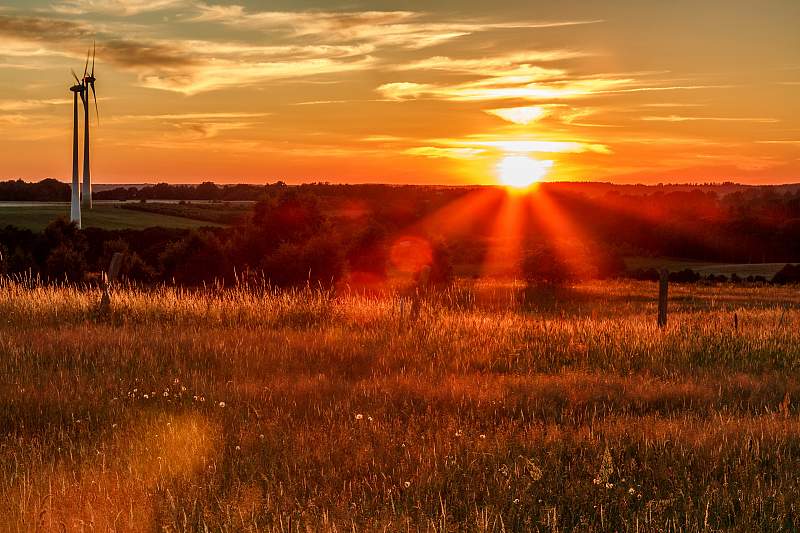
{"type": "Point", "coordinates": [787, 274]}
{"type": "Point", "coordinates": [197, 258]}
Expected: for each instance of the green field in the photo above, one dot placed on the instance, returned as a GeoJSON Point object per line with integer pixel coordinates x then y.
{"type": "Point", "coordinates": [106, 215]}
{"type": "Point", "coordinates": [488, 410]}
{"type": "Point", "coordinates": [704, 267]}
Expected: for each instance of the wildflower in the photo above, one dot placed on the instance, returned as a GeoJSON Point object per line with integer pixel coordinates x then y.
{"type": "Point", "coordinates": [113, 426]}
{"type": "Point", "coordinates": [407, 484]}
{"type": "Point", "coordinates": [183, 389]}
{"type": "Point", "coordinates": [609, 485]}
{"type": "Point", "coordinates": [359, 416]}
{"type": "Point", "coordinates": [202, 398]}
{"type": "Point", "coordinates": [195, 397]}
{"type": "Point", "coordinates": [177, 381]}
{"type": "Point", "coordinates": [459, 433]}
{"type": "Point", "coordinates": [534, 471]}
{"type": "Point", "coordinates": [222, 404]}
{"type": "Point", "coordinates": [606, 469]}
{"type": "Point", "coordinates": [261, 436]}
{"type": "Point", "coordinates": [369, 419]}
{"type": "Point", "coordinates": [145, 396]}
{"type": "Point", "coordinates": [166, 394]}
{"type": "Point", "coordinates": [135, 390]}
{"type": "Point", "coordinates": [516, 500]}
{"type": "Point", "coordinates": [238, 448]}
{"type": "Point", "coordinates": [482, 436]}
{"type": "Point", "coordinates": [631, 491]}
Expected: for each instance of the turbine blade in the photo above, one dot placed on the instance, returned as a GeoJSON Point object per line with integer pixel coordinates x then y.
{"type": "Point", "coordinates": [96, 112]}
{"type": "Point", "coordinates": [74, 75]}
{"type": "Point", "coordinates": [86, 66]}
{"type": "Point", "coordinates": [94, 51]}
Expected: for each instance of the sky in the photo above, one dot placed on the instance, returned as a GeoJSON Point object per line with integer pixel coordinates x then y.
{"type": "Point", "coordinates": [446, 92]}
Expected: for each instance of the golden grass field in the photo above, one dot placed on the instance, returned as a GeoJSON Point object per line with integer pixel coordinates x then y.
{"type": "Point", "coordinates": [254, 410]}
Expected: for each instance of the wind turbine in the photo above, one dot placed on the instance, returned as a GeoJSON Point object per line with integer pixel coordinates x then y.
{"type": "Point", "coordinates": [75, 206]}
{"type": "Point", "coordinates": [88, 81]}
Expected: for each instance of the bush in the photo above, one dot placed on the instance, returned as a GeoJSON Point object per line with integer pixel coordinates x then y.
{"type": "Point", "coordinates": [545, 266]}
{"type": "Point", "coordinates": [197, 258]}
{"type": "Point", "coordinates": [787, 274]}
{"type": "Point", "coordinates": [686, 275]}
{"type": "Point", "coordinates": [319, 260]}
{"type": "Point", "coordinates": [66, 262]}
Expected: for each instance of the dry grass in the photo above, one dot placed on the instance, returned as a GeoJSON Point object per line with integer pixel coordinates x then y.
{"type": "Point", "coordinates": [493, 410]}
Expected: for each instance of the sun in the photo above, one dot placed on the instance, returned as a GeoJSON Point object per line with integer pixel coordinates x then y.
{"type": "Point", "coordinates": [521, 171]}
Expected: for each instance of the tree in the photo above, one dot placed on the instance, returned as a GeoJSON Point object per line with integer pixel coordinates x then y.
{"type": "Point", "coordinates": [199, 257]}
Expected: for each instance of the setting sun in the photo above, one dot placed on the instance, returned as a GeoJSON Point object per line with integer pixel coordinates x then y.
{"type": "Point", "coordinates": [520, 171]}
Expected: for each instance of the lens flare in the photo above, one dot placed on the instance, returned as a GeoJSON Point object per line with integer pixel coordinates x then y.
{"type": "Point", "coordinates": [521, 171]}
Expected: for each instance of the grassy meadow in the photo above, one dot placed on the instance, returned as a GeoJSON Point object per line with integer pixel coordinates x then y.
{"type": "Point", "coordinates": [35, 216]}
{"type": "Point", "coordinates": [485, 408]}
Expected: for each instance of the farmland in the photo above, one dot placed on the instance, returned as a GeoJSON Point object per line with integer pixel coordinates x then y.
{"type": "Point", "coordinates": [492, 408]}
{"type": "Point", "coordinates": [36, 216]}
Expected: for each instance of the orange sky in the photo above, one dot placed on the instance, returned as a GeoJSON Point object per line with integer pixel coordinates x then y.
{"type": "Point", "coordinates": [411, 92]}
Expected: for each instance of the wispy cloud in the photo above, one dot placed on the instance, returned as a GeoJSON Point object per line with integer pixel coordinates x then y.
{"type": "Point", "coordinates": [519, 115]}
{"type": "Point", "coordinates": [27, 105]}
{"type": "Point", "coordinates": [186, 66]}
{"type": "Point", "coordinates": [544, 86]}
{"type": "Point", "coordinates": [680, 118]}
{"type": "Point", "coordinates": [438, 152]}
{"type": "Point", "coordinates": [513, 64]}
{"type": "Point", "coordinates": [407, 29]}
{"type": "Point", "coordinates": [114, 7]}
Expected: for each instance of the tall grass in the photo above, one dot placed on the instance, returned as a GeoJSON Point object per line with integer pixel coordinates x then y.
{"type": "Point", "coordinates": [492, 409]}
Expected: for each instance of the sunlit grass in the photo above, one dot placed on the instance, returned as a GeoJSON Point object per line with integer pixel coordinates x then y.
{"type": "Point", "coordinates": [489, 410]}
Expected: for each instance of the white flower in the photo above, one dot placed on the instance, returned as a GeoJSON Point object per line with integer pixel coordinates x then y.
{"type": "Point", "coordinates": [145, 396]}
{"type": "Point", "coordinates": [407, 484]}
{"type": "Point", "coordinates": [359, 416]}
{"type": "Point", "coordinates": [483, 436]}
{"type": "Point", "coordinates": [631, 491]}
{"type": "Point", "coordinates": [222, 404]}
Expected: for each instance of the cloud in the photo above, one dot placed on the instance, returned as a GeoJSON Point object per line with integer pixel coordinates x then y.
{"type": "Point", "coordinates": [437, 152]}
{"type": "Point", "coordinates": [544, 86]}
{"type": "Point", "coordinates": [519, 115]}
{"type": "Point", "coordinates": [28, 105]}
{"type": "Point", "coordinates": [535, 146]}
{"type": "Point", "coordinates": [114, 7]}
{"type": "Point", "coordinates": [406, 29]}
{"type": "Point", "coordinates": [520, 64]}
{"type": "Point", "coordinates": [679, 118]}
{"type": "Point", "coordinates": [186, 66]}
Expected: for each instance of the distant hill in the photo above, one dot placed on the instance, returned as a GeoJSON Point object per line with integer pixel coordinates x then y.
{"type": "Point", "coordinates": [50, 190]}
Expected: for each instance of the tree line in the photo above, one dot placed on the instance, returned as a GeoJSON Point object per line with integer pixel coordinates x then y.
{"type": "Point", "coordinates": [360, 234]}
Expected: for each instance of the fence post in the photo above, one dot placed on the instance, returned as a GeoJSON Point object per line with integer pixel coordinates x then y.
{"type": "Point", "coordinates": [421, 285]}
{"type": "Point", "coordinates": [108, 279]}
{"type": "Point", "coordinates": [663, 292]}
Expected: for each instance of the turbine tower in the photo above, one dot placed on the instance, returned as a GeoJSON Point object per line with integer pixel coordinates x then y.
{"type": "Point", "coordinates": [75, 207]}
{"type": "Point", "coordinates": [88, 81]}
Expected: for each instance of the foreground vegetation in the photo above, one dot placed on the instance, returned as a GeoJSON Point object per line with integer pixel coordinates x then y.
{"type": "Point", "coordinates": [485, 408]}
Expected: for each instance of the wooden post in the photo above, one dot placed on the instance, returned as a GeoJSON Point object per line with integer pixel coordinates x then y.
{"type": "Point", "coordinates": [108, 279]}
{"type": "Point", "coordinates": [663, 290]}
{"type": "Point", "coordinates": [422, 283]}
